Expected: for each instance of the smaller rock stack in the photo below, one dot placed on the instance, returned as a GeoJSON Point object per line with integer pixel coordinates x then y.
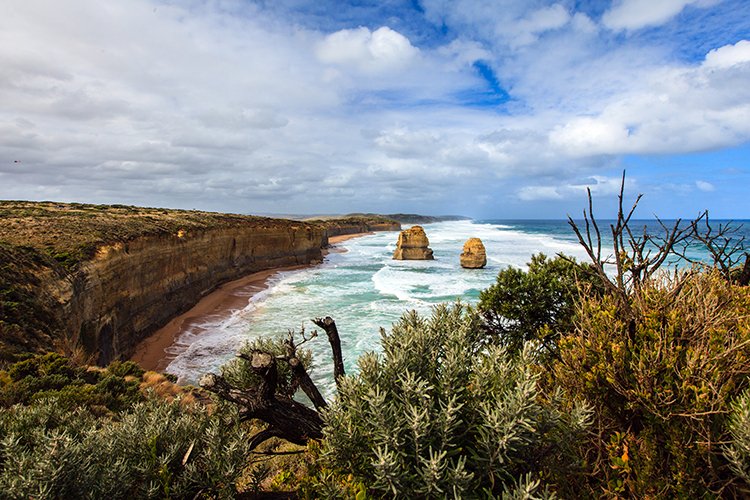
{"type": "Point", "coordinates": [474, 255]}
{"type": "Point", "coordinates": [413, 245]}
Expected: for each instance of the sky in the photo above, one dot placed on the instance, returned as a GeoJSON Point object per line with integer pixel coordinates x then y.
{"type": "Point", "coordinates": [485, 108]}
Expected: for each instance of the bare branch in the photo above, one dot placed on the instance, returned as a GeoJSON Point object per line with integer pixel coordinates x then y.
{"type": "Point", "coordinates": [329, 326]}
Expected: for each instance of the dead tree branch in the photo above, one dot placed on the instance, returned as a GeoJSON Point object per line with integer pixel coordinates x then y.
{"type": "Point", "coordinates": [725, 246]}
{"type": "Point", "coordinates": [329, 326]}
{"type": "Point", "coordinates": [636, 256]}
{"type": "Point", "coordinates": [266, 401]}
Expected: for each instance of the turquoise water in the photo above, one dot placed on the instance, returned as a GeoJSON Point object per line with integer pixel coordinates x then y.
{"type": "Point", "coordinates": [363, 289]}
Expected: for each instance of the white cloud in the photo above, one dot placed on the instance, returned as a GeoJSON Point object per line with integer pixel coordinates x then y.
{"type": "Point", "coordinates": [705, 186]}
{"type": "Point", "coordinates": [249, 113]}
{"type": "Point", "coordinates": [538, 193]}
{"type": "Point", "coordinates": [590, 136]}
{"type": "Point", "coordinates": [530, 27]}
{"type": "Point", "coordinates": [369, 51]}
{"type": "Point", "coordinates": [637, 14]}
{"type": "Point", "coordinates": [668, 109]}
{"type": "Point", "coordinates": [728, 55]}
{"type": "Point", "coordinates": [599, 186]}
{"type": "Point", "coordinates": [583, 23]}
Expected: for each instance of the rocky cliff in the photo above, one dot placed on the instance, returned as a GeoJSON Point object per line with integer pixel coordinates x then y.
{"type": "Point", "coordinates": [104, 278]}
{"type": "Point", "coordinates": [413, 245]}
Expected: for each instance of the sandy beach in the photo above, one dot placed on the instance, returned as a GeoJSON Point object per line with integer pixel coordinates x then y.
{"type": "Point", "coordinates": [231, 296]}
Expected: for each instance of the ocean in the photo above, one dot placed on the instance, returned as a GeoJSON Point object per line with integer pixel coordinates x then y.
{"type": "Point", "coordinates": [363, 289]}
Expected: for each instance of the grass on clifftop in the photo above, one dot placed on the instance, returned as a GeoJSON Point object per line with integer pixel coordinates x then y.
{"type": "Point", "coordinates": [71, 232]}
{"type": "Point", "coordinates": [39, 239]}
{"type": "Point", "coordinates": [367, 219]}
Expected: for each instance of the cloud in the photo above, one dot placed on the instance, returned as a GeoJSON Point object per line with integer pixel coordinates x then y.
{"type": "Point", "coordinates": [599, 186]}
{"type": "Point", "coordinates": [537, 193]}
{"type": "Point", "coordinates": [528, 29]}
{"type": "Point", "coordinates": [587, 136]}
{"type": "Point", "coordinates": [637, 14]}
{"type": "Point", "coordinates": [670, 109]}
{"type": "Point", "coordinates": [233, 106]}
{"type": "Point", "coordinates": [369, 51]}
{"type": "Point", "coordinates": [705, 186]}
{"type": "Point", "coordinates": [728, 55]}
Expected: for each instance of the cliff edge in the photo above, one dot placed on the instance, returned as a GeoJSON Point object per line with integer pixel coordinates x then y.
{"type": "Point", "coordinates": [105, 277]}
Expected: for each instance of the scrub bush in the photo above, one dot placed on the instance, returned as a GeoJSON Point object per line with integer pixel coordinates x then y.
{"type": "Point", "coordinates": [153, 450]}
{"type": "Point", "coordinates": [738, 450]}
{"type": "Point", "coordinates": [661, 378]}
{"type": "Point", "coordinates": [54, 376]}
{"type": "Point", "coordinates": [536, 305]}
{"type": "Point", "coordinates": [442, 414]}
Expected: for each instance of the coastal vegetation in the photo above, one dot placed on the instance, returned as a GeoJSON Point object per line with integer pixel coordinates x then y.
{"type": "Point", "coordinates": [70, 431]}
{"type": "Point", "coordinates": [613, 378]}
{"type": "Point", "coordinates": [70, 233]}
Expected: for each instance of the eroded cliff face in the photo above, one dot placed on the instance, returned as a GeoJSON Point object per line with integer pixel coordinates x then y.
{"type": "Point", "coordinates": [130, 289]}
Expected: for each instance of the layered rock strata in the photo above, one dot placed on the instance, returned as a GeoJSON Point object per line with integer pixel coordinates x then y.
{"type": "Point", "coordinates": [413, 245]}
{"type": "Point", "coordinates": [130, 290]}
{"type": "Point", "coordinates": [355, 225]}
{"type": "Point", "coordinates": [474, 255]}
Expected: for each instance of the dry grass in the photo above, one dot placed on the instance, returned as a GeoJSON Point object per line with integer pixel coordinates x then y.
{"type": "Point", "coordinates": [162, 387]}
{"type": "Point", "coordinates": [71, 232]}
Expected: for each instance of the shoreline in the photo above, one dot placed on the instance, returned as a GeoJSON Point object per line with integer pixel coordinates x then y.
{"type": "Point", "coordinates": [151, 353]}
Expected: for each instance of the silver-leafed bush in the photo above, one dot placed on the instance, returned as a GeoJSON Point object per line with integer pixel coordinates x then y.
{"type": "Point", "coordinates": [445, 413]}
{"type": "Point", "coordinates": [153, 450]}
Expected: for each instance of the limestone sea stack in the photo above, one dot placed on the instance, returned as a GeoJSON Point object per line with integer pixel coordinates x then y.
{"type": "Point", "coordinates": [413, 245]}
{"type": "Point", "coordinates": [474, 255]}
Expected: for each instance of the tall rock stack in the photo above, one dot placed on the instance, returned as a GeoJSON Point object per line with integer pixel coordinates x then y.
{"type": "Point", "coordinates": [474, 255]}
{"type": "Point", "coordinates": [413, 245]}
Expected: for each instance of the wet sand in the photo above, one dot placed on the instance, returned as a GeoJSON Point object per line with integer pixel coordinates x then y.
{"type": "Point", "coordinates": [230, 297]}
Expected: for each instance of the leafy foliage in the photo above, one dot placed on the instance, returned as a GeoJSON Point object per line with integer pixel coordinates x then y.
{"type": "Point", "coordinates": [738, 449]}
{"type": "Point", "coordinates": [661, 380]}
{"type": "Point", "coordinates": [154, 450]}
{"type": "Point", "coordinates": [54, 376]}
{"type": "Point", "coordinates": [236, 372]}
{"type": "Point", "coordinates": [537, 305]}
{"type": "Point", "coordinates": [441, 414]}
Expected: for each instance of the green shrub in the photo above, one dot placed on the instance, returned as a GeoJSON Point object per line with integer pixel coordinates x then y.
{"type": "Point", "coordinates": [738, 449]}
{"type": "Point", "coordinates": [536, 305]}
{"type": "Point", "coordinates": [239, 376]}
{"type": "Point", "coordinates": [441, 414]}
{"type": "Point", "coordinates": [661, 378]}
{"type": "Point", "coordinates": [54, 376]}
{"type": "Point", "coordinates": [125, 369]}
{"type": "Point", "coordinates": [154, 450]}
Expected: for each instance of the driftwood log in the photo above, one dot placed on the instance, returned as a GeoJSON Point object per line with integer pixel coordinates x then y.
{"type": "Point", "coordinates": [285, 417]}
